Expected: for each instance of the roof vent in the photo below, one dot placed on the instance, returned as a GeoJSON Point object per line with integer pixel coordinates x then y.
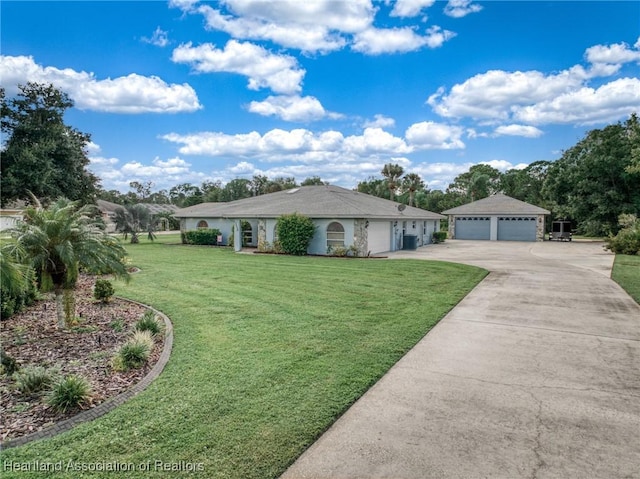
{"type": "Point", "coordinates": [292, 191]}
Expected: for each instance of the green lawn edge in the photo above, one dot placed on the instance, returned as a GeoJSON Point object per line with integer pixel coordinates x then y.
{"type": "Point", "coordinates": [626, 272]}
{"type": "Point", "coordinates": [268, 352]}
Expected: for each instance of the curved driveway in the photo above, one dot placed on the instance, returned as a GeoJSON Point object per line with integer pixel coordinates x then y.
{"type": "Point", "coordinates": [535, 374]}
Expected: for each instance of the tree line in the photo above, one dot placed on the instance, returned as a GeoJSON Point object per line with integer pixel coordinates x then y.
{"type": "Point", "coordinates": [591, 184]}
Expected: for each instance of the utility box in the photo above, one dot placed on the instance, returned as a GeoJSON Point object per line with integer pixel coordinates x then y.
{"type": "Point", "coordinates": [409, 242]}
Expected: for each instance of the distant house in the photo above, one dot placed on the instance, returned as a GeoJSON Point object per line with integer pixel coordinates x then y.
{"type": "Point", "coordinates": [498, 217]}
{"type": "Point", "coordinates": [9, 217]}
{"type": "Point", "coordinates": [342, 218]}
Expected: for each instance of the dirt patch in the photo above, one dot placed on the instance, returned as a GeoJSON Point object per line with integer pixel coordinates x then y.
{"type": "Point", "coordinates": [32, 338]}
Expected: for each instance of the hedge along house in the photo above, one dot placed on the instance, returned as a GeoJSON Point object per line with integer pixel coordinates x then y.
{"type": "Point", "coordinates": [498, 217]}
{"type": "Point", "coordinates": [342, 217]}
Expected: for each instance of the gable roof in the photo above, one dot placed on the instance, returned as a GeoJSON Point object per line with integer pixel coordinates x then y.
{"type": "Point", "coordinates": [498, 204]}
{"type": "Point", "coordinates": [313, 201]}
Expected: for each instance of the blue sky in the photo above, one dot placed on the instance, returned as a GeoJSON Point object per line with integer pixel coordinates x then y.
{"type": "Point", "coordinates": [188, 91]}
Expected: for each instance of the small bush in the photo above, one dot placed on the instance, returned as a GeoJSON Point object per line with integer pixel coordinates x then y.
{"type": "Point", "coordinates": [148, 322]}
{"type": "Point", "coordinates": [207, 236]}
{"type": "Point", "coordinates": [627, 241]}
{"type": "Point", "coordinates": [135, 352]}
{"type": "Point", "coordinates": [33, 379]}
{"type": "Point", "coordinates": [103, 290]}
{"type": "Point", "coordinates": [295, 232]}
{"type": "Point", "coordinates": [439, 236]}
{"type": "Point", "coordinates": [68, 393]}
{"type": "Point", "coordinates": [12, 302]}
{"type": "Point", "coordinates": [8, 363]}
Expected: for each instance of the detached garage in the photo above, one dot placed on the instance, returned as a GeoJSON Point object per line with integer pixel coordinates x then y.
{"type": "Point", "coordinates": [498, 217]}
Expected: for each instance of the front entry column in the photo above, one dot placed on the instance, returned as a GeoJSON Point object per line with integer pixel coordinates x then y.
{"type": "Point", "coordinates": [237, 235]}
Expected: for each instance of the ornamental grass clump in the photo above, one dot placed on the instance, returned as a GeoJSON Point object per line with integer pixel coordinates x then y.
{"type": "Point", "coordinates": [33, 380]}
{"type": "Point", "coordinates": [69, 393]}
{"type": "Point", "coordinates": [148, 322]}
{"type": "Point", "coordinates": [135, 352]}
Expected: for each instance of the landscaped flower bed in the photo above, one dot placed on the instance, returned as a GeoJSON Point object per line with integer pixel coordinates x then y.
{"type": "Point", "coordinates": [87, 350]}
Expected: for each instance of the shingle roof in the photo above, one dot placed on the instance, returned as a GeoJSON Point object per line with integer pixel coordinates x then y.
{"type": "Point", "coordinates": [312, 201]}
{"type": "Point", "coordinates": [498, 204]}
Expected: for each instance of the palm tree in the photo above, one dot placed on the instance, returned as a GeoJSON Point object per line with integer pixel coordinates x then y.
{"type": "Point", "coordinates": [133, 219]}
{"type": "Point", "coordinates": [63, 238]}
{"type": "Point", "coordinates": [412, 182]}
{"type": "Point", "coordinates": [392, 172]}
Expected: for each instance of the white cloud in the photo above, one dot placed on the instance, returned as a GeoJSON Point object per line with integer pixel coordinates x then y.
{"type": "Point", "coordinates": [164, 174]}
{"type": "Point", "coordinates": [306, 37]}
{"type": "Point", "coordinates": [375, 141]}
{"type": "Point", "coordinates": [305, 146]}
{"type": "Point", "coordinates": [292, 108]}
{"type": "Point", "coordinates": [159, 38]}
{"type": "Point", "coordinates": [380, 121]}
{"type": "Point", "coordinates": [129, 94]}
{"type": "Point", "coordinates": [428, 135]}
{"type": "Point", "coordinates": [491, 95]}
{"type": "Point", "coordinates": [538, 98]}
{"type": "Point", "coordinates": [461, 8]}
{"type": "Point", "coordinates": [410, 8]}
{"type": "Point", "coordinates": [518, 130]}
{"type": "Point", "coordinates": [376, 41]}
{"type": "Point", "coordinates": [317, 26]}
{"type": "Point", "coordinates": [264, 69]}
{"type": "Point", "coordinates": [609, 102]}
{"type": "Point", "coordinates": [612, 57]}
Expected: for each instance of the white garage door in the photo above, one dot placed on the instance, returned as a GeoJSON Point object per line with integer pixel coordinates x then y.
{"type": "Point", "coordinates": [379, 236]}
{"type": "Point", "coordinates": [517, 228]}
{"type": "Point", "coordinates": [473, 228]}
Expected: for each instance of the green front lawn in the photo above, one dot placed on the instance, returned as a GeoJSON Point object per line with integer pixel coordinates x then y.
{"type": "Point", "coordinates": [626, 272]}
{"type": "Point", "coordinates": [269, 351]}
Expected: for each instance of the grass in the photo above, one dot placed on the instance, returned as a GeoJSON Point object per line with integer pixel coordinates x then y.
{"type": "Point", "coordinates": [268, 352]}
{"type": "Point", "coordinates": [626, 272]}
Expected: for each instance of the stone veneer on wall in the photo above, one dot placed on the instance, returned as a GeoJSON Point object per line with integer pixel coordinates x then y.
{"type": "Point", "coordinates": [361, 236]}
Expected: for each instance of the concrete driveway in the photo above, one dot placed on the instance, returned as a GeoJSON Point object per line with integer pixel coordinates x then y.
{"type": "Point", "coordinates": [535, 374]}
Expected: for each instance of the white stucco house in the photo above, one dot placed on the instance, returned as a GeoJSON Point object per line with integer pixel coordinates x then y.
{"type": "Point", "coordinates": [497, 217]}
{"type": "Point", "coordinates": [342, 217]}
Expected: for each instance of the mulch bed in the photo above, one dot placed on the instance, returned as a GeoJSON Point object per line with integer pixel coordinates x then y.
{"type": "Point", "coordinates": [33, 339]}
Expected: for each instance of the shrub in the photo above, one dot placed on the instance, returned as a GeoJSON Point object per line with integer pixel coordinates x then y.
{"type": "Point", "coordinates": [13, 301]}
{"type": "Point", "coordinates": [33, 379]}
{"type": "Point", "coordinates": [135, 352]}
{"type": "Point", "coordinates": [295, 232]}
{"type": "Point", "coordinates": [149, 323]}
{"type": "Point", "coordinates": [70, 392]}
{"type": "Point", "coordinates": [103, 290]}
{"type": "Point", "coordinates": [8, 363]}
{"type": "Point", "coordinates": [627, 241]}
{"type": "Point", "coordinates": [207, 236]}
{"type": "Point", "coordinates": [439, 236]}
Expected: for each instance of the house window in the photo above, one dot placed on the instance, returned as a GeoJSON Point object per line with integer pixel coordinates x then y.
{"type": "Point", "coordinates": [202, 224]}
{"type": "Point", "coordinates": [335, 235]}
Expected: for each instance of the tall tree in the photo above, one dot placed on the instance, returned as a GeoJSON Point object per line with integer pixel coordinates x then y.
{"type": "Point", "coordinates": [477, 183]}
{"type": "Point", "coordinates": [412, 183]}
{"type": "Point", "coordinates": [60, 240]}
{"type": "Point", "coordinates": [526, 184]}
{"type": "Point", "coordinates": [592, 182]}
{"type": "Point", "coordinates": [142, 189]}
{"type": "Point", "coordinates": [374, 187]}
{"type": "Point", "coordinates": [185, 194]}
{"type": "Point", "coordinates": [42, 154]}
{"type": "Point", "coordinates": [313, 181]}
{"type": "Point", "coordinates": [236, 190]}
{"type": "Point", "coordinates": [392, 172]}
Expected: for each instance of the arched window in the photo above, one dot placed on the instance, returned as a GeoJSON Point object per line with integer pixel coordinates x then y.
{"type": "Point", "coordinates": [335, 235]}
{"type": "Point", "coordinates": [202, 224]}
